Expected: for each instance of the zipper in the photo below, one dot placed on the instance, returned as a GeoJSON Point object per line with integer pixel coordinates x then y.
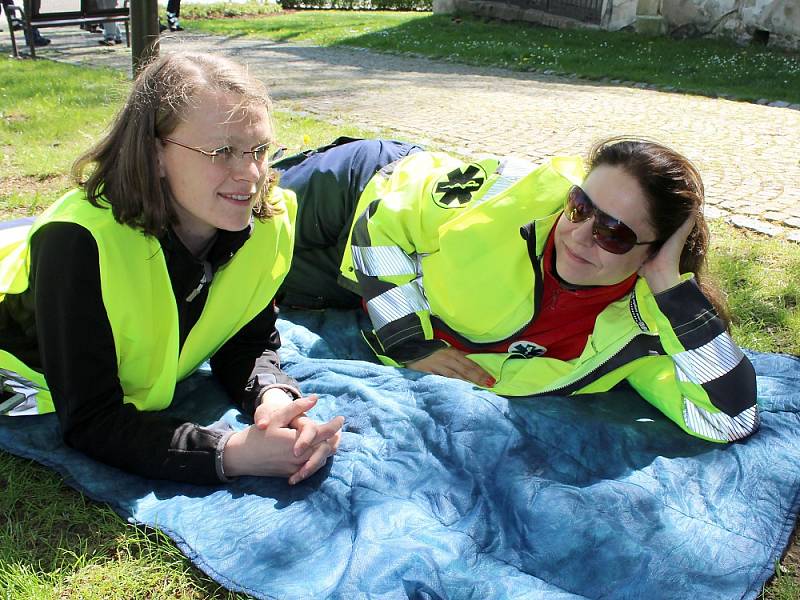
{"type": "Point", "coordinates": [583, 380]}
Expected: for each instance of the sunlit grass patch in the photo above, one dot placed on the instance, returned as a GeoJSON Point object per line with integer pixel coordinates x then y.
{"type": "Point", "coordinates": [762, 278]}
{"type": "Point", "coordinates": [315, 27]}
{"type": "Point", "coordinates": [43, 127]}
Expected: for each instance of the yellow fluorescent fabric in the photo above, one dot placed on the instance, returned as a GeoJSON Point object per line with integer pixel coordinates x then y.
{"type": "Point", "coordinates": [139, 300]}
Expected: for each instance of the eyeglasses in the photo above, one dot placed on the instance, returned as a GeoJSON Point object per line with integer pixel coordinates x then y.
{"type": "Point", "coordinates": [611, 234]}
{"type": "Point", "coordinates": [226, 154]}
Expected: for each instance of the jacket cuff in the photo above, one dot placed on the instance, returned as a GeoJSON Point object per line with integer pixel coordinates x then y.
{"type": "Point", "coordinates": [289, 389]}
{"type": "Point", "coordinates": [417, 350]}
{"type": "Point", "coordinates": [219, 456]}
{"type": "Point", "coordinates": [691, 315]}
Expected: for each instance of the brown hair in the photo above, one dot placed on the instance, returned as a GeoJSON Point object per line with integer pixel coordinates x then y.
{"type": "Point", "coordinates": [125, 176]}
{"type": "Point", "coordinates": [674, 191]}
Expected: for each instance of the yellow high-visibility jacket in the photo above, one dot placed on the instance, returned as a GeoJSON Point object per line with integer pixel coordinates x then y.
{"type": "Point", "coordinates": [438, 243]}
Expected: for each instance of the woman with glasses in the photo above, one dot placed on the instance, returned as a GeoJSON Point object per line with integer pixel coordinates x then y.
{"type": "Point", "coordinates": [169, 253]}
{"type": "Point", "coordinates": [540, 281]}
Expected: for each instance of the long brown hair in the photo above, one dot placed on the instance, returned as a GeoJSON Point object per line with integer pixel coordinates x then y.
{"type": "Point", "coordinates": [674, 191]}
{"type": "Point", "coordinates": [123, 166]}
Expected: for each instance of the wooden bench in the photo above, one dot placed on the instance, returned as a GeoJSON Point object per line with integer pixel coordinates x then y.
{"type": "Point", "coordinates": [31, 16]}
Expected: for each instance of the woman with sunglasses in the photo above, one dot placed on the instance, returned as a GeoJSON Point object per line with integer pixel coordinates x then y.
{"type": "Point", "coordinates": [169, 253]}
{"type": "Point", "coordinates": [551, 281]}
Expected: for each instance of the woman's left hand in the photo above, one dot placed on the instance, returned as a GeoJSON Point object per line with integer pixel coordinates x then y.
{"type": "Point", "coordinates": [310, 433]}
{"type": "Point", "coordinates": [662, 269]}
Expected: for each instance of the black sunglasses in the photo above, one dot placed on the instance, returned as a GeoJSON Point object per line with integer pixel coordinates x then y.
{"type": "Point", "coordinates": [611, 234]}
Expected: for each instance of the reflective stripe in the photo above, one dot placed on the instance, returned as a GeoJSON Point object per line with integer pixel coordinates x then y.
{"type": "Point", "coordinates": [512, 166]}
{"type": "Point", "coordinates": [13, 378]}
{"type": "Point", "coordinates": [23, 401]}
{"type": "Point", "coordinates": [719, 426]}
{"type": "Point", "coordinates": [511, 170]}
{"type": "Point", "coordinates": [395, 304]}
{"type": "Point", "coordinates": [710, 361]}
{"type": "Point", "coordinates": [380, 261]}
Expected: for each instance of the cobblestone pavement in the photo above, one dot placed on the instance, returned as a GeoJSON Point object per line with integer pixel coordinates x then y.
{"type": "Point", "coordinates": [748, 154]}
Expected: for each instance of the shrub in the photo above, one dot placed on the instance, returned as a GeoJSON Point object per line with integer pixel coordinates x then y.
{"type": "Point", "coordinates": [229, 9]}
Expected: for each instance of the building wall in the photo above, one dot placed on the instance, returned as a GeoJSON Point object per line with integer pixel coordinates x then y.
{"type": "Point", "coordinates": [735, 18]}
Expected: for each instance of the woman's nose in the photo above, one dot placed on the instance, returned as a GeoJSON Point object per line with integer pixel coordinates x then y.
{"type": "Point", "coordinates": [582, 233]}
{"type": "Point", "coordinates": [247, 169]}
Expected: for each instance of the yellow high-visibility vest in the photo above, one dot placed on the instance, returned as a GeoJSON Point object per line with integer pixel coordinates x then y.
{"type": "Point", "coordinates": [139, 301]}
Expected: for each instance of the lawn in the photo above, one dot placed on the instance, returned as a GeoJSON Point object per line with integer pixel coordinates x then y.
{"type": "Point", "coordinates": [57, 544]}
{"type": "Point", "coordinates": [710, 67]}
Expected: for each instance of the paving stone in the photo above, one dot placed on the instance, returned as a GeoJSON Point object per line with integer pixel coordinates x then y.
{"type": "Point", "coordinates": [749, 209]}
{"type": "Point", "coordinates": [780, 217]}
{"type": "Point", "coordinates": [754, 225]}
{"type": "Point", "coordinates": [712, 212]}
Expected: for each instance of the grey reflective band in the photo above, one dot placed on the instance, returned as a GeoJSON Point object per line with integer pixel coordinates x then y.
{"type": "Point", "coordinates": [719, 426]}
{"type": "Point", "coordinates": [21, 395]}
{"type": "Point", "coordinates": [710, 361]}
{"type": "Point", "coordinates": [16, 378]}
{"type": "Point", "coordinates": [383, 261]}
{"type": "Point", "coordinates": [395, 304]}
{"type": "Point", "coordinates": [511, 166]}
{"type": "Point", "coordinates": [511, 170]}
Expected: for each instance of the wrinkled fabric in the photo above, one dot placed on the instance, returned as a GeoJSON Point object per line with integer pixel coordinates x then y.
{"type": "Point", "coordinates": [442, 490]}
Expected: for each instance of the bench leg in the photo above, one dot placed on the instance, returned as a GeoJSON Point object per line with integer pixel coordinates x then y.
{"type": "Point", "coordinates": [9, 10]}
{"type": "Point", "coordinates": [26, 25]}
{"type": "Point", "coordinates": [28, 30]}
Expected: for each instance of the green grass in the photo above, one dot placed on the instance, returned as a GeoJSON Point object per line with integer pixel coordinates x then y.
{"type": "Point", "coordinates": [54, 543]}
{"type": "Point", "coordinates": [227, 9]}
{"type": "Point", "coordinates": [762, 279]}
{"type": "Point", "coordinates": [709, 67]}
{"type": "Point", "coordinates": [321, 28]}
{"type": "Point", "coordinates": [57, 544]}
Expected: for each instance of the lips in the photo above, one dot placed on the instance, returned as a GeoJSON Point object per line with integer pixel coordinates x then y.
{"type": "Point", "coordinates": [236, 197]}
{"type": "Point", "coordinates": [575, 257]}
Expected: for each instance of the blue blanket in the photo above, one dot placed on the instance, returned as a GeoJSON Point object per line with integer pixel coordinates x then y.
{"type": "Point", "coordinates": [441, 490]}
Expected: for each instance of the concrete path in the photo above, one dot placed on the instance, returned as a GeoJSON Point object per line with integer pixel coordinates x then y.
{"type": "Point", "coordinates": [749, 155]}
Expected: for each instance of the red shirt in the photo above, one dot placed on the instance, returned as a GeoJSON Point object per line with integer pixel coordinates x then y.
{"type": "Point", "coordinates": [565, 320]}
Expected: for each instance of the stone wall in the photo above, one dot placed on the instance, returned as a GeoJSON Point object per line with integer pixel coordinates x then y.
{"type": "Point", "coordinates": [742, 20]}
{"type": "Point", "coordinates": [618, 14]}
{"type": "Point", "coordinates": [739, 19]}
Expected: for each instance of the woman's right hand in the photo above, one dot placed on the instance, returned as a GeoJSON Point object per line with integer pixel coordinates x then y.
{"type": "Point", "coordinates": [451, 362]}
{"type": "Point", "coordinates": [270, 452]}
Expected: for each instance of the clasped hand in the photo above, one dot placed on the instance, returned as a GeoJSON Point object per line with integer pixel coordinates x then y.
{"type": "Point", "coordinates": [283, 442]}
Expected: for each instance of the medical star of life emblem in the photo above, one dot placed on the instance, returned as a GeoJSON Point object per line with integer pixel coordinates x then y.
{"type": "Point", "coordinates": [455, 189]}
{"type": "Point", "coordinates": [526, 349]}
